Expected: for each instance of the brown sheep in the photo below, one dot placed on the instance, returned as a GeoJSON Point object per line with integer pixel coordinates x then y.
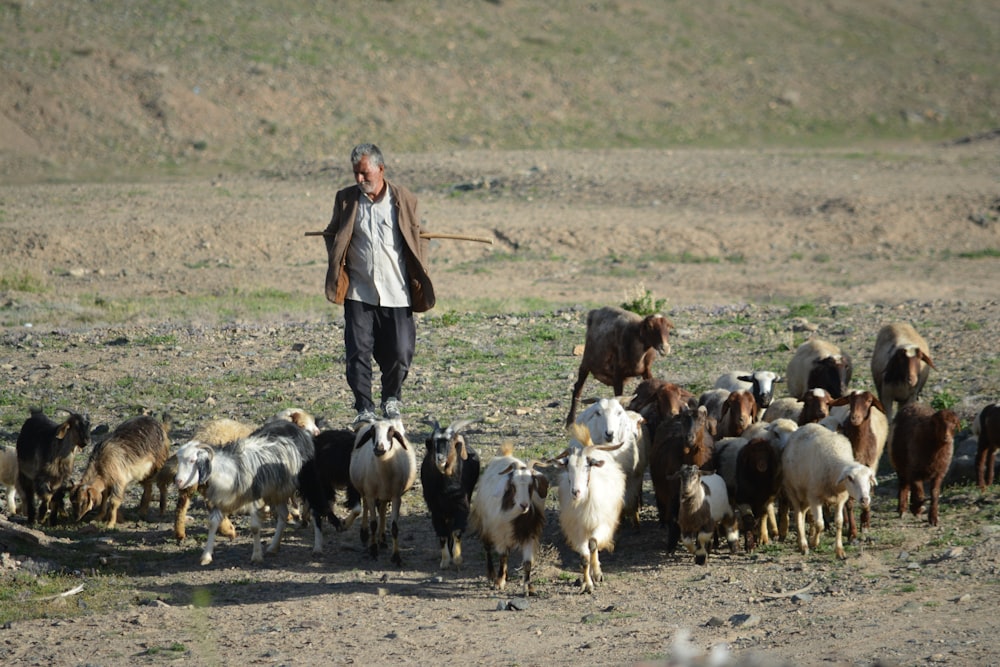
{"type": "Point", "coordinates": [619, 345]}
{"type": "Point", "coordinates": [134, 452]}
{"type": "Point", "coordinates": [739, 411]}
{"type": "Point", "coordinates": [921, 444]}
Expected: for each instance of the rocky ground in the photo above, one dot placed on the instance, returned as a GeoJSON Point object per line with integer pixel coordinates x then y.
{"type": "Point", "coordinates": [733, 240]}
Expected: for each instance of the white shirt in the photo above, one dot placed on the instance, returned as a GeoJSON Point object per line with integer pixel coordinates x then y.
{"type": "Point", "coordinates": [375, 263]}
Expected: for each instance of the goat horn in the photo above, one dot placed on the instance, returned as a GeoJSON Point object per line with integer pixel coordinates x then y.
{"type": "Point", "coordinates": [460, 425]}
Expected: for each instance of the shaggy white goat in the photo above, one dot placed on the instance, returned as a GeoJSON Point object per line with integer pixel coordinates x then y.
{"type": "Point", "coordinates": [591, 491]}
{"type": "Point", "coordinates": [260, 467]}
{"type": "Point", "coordinates": [383, 468]}
{"type": "Point", "coordinates": [610, 423]}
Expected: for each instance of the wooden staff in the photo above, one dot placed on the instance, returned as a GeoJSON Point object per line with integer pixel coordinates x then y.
{"type": "Point", "coordinates": [429, 235]}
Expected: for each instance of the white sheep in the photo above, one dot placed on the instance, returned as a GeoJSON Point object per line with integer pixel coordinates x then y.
{"type": "Point", "coordinates": [383, 468]}
{"type": "Point", "coordinates": [8, 477]}
{"type": "Point", "coordinates": [263, 466]}
{"type": "Point", "coordinates": [900, 365]}
{"type": "Point", "coordinates": [818, 468]}
{"type": "Point", "coordinates": [704, 507]}
{"type": "Point", "coordinates": [591, 491]}
{"type": "Point", "coordinates": [818, 363]}
{"type": "Point", "coordinates": [610, 423]}
{"type": "Point", "coordinates": [759, 383]}
{"type": "Point", "coordinates": [508, 512]}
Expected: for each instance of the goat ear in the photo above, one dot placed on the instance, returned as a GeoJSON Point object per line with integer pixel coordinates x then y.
{"type": "Point", "coordinates": [203, 464]}
{"type": "Point", "coordinates": [595, 463]}
{"type": "Point", "coordinates": [745, 378]}
{"type": "Point", "coordinates": [398, 436]}
{"type": "Point", "coordinates": [61, 431]}
{"type": "Point", "coordinates": [461, 448]}
{"type": "Point", "coordinates": [878, 404]}
{"type": "Point", "coordinates": [364, 434]}
{"type": "Point", "coordinates": [543, 483]}
{"type": "Point", "coordinates": [507, 470]}
{"type": "Point", "coordinates": [927, 360]}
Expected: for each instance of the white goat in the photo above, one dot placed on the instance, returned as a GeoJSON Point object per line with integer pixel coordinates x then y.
{"type": "Point", "coordinates": [383, 468]}
{"type": "Point", "coordinates": [591, 491]}
{"type": "Point", "coordinates": [8, 477]}
{"type": "Point", "coordinates": [508, 512]}
{"type": "Point", "coordinates": [610, 423]}
{"type": "Point", "coordinates": [704, 506]}
{"type": "Point", "coordinates": [818, 468]}
{"type": "Point", "coordinates": [263, 467]}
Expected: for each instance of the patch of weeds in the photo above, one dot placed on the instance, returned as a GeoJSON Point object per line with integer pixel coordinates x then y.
{"type": "Point", "coordinates": [807, 310]}
{"type": "Point", "coordinates": [176, 647]}
{"type": "Point", "coordinates": [944, 400]}
{"type": "Point", "coordinates": [21, 281]}
{"type": "Point", "coordinates": [972, 326]}
{"type": "Point", "coordinates": [907, 588]}
{"type": "Point", "coordinates": [642, 302]}
{"type": "Point", "coordinates": [153, 340]}
{"type": "Point", "coordinates": [985, 253]}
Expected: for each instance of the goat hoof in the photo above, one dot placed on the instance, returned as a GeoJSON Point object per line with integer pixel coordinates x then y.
{"type": "Point", "coordinates": [206, 559]}
{"type": "Point", "coordinates": [397, 559]}
{"type": "Point", "coordinates": [700, 560]}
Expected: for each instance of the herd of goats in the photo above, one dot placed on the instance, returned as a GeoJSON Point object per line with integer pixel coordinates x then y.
{"type": "Point", "coordinates": [734, 460]}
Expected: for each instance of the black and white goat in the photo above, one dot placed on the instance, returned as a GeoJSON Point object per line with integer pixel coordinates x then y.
{"type": "Point", "coordinates": [264, 466]}
{"type": "Point", "coordinates": [322, 475]}
{"type": "Point", "coordinates": [383, 468]}
{"type": "Point", "coordinates": [448, 474]}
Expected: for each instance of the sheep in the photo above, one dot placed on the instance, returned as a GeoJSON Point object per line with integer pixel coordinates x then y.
{"type": "Point", "coordinates": [657, 400]}
{"type": "Point", "coordinates": [818, 468]}
{"type": "Point", "coordinates": [921, 444]}
{"type": "Point", "coordinates": [816, 405]}
{"type": "Point", "coordinates": [134, 452]}
{"type": "Point", "coordinates": [322, 475]}
{"type": "Point", "coordinates": [448, 475]}
{"type": "Point", "coordinates": [900, 365]}
{"type": "Point", "coordinates": [818, 363]}
{"type": "Point", "coordinates": [8, 477]}
{"type": "Point", "coordinates": [987, 429]}
{"type": "Point", "coordinates": [704, 507]}
{"type": "Point", "coordinates": [383, 468]}
{"type": "Point", "coordinates": [759, 383]}
{"type": "Point", "coordinates": [739, 411]}
{"type": "Point", "coordinates": [682, 440]}
{"type": "Point", "coordinates": [610, 423]}
{"type": "Point", "coordinates": [263, 466]}
{"type": "Point", "coordinates": [751, 469]}
{"type": "Point", "coordinates": [786, 407]}
{"type": "Point", "coordinates": [508, 512]}
{"type": "Point", "coordinates": [868, 430]}
{"type": "Point", "coordinates": [591, 492]}
{"type": "Point", "coordinates": [713, 400]}
{"type": "Point", "coordinates": [45, 451]}
{"type": "Point", "coordinates": [215, 433]}
{"type": "Point", "coordinates": [619, 345]}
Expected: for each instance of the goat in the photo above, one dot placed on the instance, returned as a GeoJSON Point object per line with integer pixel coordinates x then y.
{"type": "Point", "coordinates": [759, 383]}
{"type": "Point", "coordinates": [900, 365]}
{"type": "Point", "coordinates": [657, 400]}
{"type": "Point", "coordinates": [45, 451]}
{"type": "Point", "coordinates": [868, 431]}
{"type": "Point", "coordinates": [987, 429]}
{"type": "Point", "coordinates": [215, 433]}
{"type": "Point", "coordinates": [818, 363]}
{"type": "Point", "coordinates": [448, 475]}
{"type": "Point", "coordinates": [619, 345]}
{"type": "Point", "coordinates": [704, 507]}
{"type": "Point", "coordinates": [818, 468]}
{"type": "Point", "coordinates": [610, 423]}
{"type": "Point", "coordinates": [751, 469]}
{"type": "Point", "coordinates": [322, 475]}
{"type": "Point", "coordinates": [508, 512]}
{"type": "Point", "coordinates": [135, 451]}
{"type": "Point", "coordinates": [921, 444]}
{"type": "Point", "coordinates": [263, 466]}
{"type": "Point", "coordinates": [383, 468]}
{"type": "Point", "coordinates": [8, 477]}
{"type": "Point", "coordinates": [682, 440]}
{"type": "Point", "coordinates": [591, 492]}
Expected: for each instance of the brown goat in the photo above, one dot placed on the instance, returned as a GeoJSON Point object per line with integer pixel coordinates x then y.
{"type": "Point", "coordinates": [921, 445]}
{"type": "Point", "coordinates": [657, 400]}
{"type": "Point", "coordinates": [135, 451]}
{"type": "Point", "coordinates": [619, 345]}
{"type": "Point", "coordinates": [987, 428]}
{"type": "Point", "coordinates": [685, 439]}
{"type": "Point", "coordinates": [868, 431]}
{"type": "Point", "coordinates": [45, 453]}
{"type": "Point", "coordinates": [739, 411]}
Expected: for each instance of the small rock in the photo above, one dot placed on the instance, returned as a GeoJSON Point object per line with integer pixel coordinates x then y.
{"type": "Point", "coordinates": [802, 598]}
{"type": "Point", "coordinates": [744, 620]}
{"type": "Point", "coordinates": [715, 622]}
{"type": "Point", "coordinates": [908, 608]}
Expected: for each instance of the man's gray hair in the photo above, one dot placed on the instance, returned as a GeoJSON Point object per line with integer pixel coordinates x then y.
{"type": "Point", "coordinates": [371, 151]}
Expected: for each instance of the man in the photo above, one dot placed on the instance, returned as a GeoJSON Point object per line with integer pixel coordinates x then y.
{"type": "Point", "coordinates": [377, 271]}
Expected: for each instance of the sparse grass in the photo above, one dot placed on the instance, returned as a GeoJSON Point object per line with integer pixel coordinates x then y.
{"type": "Point", "coordinates": [21, 281]}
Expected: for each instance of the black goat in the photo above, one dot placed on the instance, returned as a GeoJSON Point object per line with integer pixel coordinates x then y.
{"type": "Point", "coordinates": [45, 451]}
{"type": "Point", "coordinates": [322, 475]}
{"type": "Point", "coordinates": [448, 475]}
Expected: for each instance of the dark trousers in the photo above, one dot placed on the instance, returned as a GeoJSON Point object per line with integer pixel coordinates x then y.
{"type": "Point", "coordinates": [386, 334]}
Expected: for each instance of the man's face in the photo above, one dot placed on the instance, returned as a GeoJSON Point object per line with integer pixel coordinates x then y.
{"type": "Point", "coordinates": [369, 177]}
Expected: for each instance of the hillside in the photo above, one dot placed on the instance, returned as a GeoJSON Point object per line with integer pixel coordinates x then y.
{"type": "Point", "coordinates": [112, 90]}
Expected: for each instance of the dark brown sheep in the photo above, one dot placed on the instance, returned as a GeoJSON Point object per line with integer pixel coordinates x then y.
{"type": "Point", "coordinates": [921, 445]}
{"type": "Point", "coordinates": [619, 345]}
{"type": "Point", "coordinates": [987, 428]}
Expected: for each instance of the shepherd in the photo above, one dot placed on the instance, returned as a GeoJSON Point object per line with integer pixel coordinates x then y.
{"type": "Point", "coordinates": [378, 272]}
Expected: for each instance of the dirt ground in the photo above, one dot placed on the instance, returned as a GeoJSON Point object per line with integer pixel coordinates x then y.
{"type": "Point", "coordinates": [913, 230]}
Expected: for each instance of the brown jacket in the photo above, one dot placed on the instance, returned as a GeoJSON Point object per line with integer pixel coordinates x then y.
{"type": "Point", "coordinates": [338, 238]}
